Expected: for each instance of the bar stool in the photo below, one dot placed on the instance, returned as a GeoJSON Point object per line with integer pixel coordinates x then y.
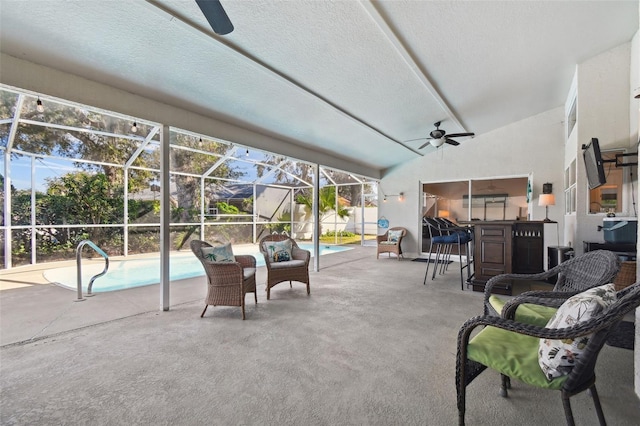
{"type": "Point", "coordinates": [444, 236]}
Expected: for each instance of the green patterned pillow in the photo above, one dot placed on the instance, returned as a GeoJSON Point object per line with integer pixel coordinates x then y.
{"type": "Point", "coordinates": [218, 253]}
{"type": "Point", "coordinates": [279, 251]}
{"type": "Point", "coordinates": [557, 357]}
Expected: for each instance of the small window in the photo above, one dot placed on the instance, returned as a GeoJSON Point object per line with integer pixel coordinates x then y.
{"type": "Point", "coordinates": [571, 118]}
{"type": "Point", "coordinates": [570, 188]}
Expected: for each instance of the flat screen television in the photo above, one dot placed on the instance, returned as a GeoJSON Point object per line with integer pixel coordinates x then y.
{"type": "Point", "coordinates": [594, 164]}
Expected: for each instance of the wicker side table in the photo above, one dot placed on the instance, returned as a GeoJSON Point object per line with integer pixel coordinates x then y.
{"type": "Point", "coordinates": [626, 276]}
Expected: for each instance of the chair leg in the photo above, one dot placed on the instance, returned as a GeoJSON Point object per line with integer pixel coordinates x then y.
{"type": "Point", "coordinates": [308, 288]}
{"type": "Point", "coordinates": [504, 385]}
{"type": "Point", "coordinates": [205, 310]}
{"type": "Point", "coordinates": [461, 390]}
{"type": "Point", "coordinates": [568, 414]}
{"type": "Point", "coordinates": [424, 282]}
{"type": "Point", "coordinates": [596, 403]}
{"type": "Point", "coordinates": [255, 295]}
{"type": "Point", "coordinates": [428, 262]}
{"type": "Point", "coordinates": [445, 259]}
{"type": "Point", "coordinates": [439, 249]}
{"type": "Point", "coordinates": [268, 292]}
{"type": "Point", "coordinates": [243, 310]}
{"type": "Point", "coordinates": [290, 285]}
{"type": "Point", "coordinates": [461, 269]}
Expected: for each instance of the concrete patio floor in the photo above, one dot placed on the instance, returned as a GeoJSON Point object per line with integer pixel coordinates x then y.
{"type": "Point", "coordinates": [32, 308]}
{"type": "Point", "coordinates": [370, 345]}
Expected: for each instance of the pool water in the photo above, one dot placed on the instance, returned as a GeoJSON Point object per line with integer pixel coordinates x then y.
{"type": "Point", "coordinates": [129, 273]}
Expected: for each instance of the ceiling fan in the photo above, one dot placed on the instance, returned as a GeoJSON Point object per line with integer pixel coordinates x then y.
{"type": "Point", "coordinates": [217, 17]}
{"type": "Point", "coordinates": [491, 187]}
{"type": "Point", "coordinates": [439, 137]}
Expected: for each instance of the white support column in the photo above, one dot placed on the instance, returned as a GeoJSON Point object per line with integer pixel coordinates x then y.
{"type": "Point", "coordinates": [316, 217]}
{"type": "Point", "coordinates": [292, 206]}
{"type": "Point", "coordinates": [362, 221]}
{"type": "Point", "coordinates": [7, 212]}
{"type": "Point", "coordinates": [165, 218]}
{"type": "Point", "coordinates": [253, 215]}
{"type": "Point", "coordinates": [203, 207]}
{"type": "Point", "coordinates": [34, 237]}
{"type": "Point", "coordinates": [125, 236]}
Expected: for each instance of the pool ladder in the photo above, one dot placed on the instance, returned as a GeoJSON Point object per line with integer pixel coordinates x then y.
{"type": "Point", "coordinates": [79, 266]}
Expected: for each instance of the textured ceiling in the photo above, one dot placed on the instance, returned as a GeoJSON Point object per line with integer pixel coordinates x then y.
{"type": "Point", "coordinates": [355, 79]}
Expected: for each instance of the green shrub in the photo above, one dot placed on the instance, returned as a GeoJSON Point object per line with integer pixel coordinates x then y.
{"type": "Point", "coordinates": [340, 234]}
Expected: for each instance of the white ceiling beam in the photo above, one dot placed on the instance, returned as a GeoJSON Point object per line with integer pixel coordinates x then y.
{"type": "Point", "coordinates": [255, 62]}
{"type": "Point", "coordinates": [409, 59]}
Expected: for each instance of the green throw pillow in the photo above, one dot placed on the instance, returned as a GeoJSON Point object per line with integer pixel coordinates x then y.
{"type": "Point", "coordinates": [557, 357]}
{"type": "Point", "coordinates": [218, 253]}
{"type": "Point", "coordinates": [279, 251]}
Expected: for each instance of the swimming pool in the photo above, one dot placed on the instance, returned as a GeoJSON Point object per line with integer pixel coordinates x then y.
{"type": "Point", "coordinates": [130, 273]}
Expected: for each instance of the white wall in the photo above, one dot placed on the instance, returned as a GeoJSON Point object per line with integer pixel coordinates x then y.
{"type": "Point", "coordinates": [634, 126]}
{"type": "Point", "coordinates": [534, 145]}
{"type": "Point", "coordinates": [603, 112]}
{"type": "Point", "coordinates": [605, 84]}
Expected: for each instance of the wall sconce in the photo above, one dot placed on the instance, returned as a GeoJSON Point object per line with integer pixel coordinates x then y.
{"type": "Point", "coordinates": [400, 197]}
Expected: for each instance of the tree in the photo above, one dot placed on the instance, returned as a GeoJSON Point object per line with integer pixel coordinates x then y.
{"type": "Point", "coordinates": [327, 202]}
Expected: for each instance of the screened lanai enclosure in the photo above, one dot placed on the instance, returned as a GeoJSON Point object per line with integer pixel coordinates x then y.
{"type": "Point", "coordinates": [72, 173]}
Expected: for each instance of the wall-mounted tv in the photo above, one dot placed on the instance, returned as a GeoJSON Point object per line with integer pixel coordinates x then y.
{"type": "Point", "coordinates": [594, 164]}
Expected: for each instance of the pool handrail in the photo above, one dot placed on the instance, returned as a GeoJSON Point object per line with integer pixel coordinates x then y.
{"type": "Point", "coordinates": [98, 250]}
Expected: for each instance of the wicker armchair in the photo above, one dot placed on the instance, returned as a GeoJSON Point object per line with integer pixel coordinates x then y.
{"type": "Point", "coordinates": [296, 269]}
{"type": "Point", "coordinates": [386, 246]}
{"type": "Point", "coordinates": [521, 342]}
{"type": "Point", "coordinates": [227, 282]}
{"type": "Point", "coordinates": [580, 273]}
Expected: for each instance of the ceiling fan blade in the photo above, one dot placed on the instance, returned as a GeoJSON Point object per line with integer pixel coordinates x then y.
{"type": "Point", "coordinates": [217, 17]}
{"type": "Point", "coordinates": [413, 140]}
{"type": "Point", "coordinates": [425, 144]}
{"type": "Point", "coordinates": [459, 135]}
{"type": "Point", "coordinates": [452, 142]}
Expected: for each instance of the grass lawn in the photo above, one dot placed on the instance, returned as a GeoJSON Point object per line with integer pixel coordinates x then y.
{"type": "Point", "coordinates": [345, 240]}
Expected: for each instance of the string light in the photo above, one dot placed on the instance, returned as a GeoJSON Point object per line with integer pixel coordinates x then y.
{"type": "Point", "coordinates": [247, 154]}
{"type": "Point", "coordinates": [134, 128]}
{"type": "Point", "coordinates": [39, 106]}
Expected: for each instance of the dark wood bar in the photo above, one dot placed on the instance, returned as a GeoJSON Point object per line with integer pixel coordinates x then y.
{"type": "Point", "coordinates": [505, 247]}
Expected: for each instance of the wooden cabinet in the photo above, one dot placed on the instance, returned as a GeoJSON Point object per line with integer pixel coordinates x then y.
{"type": "Point", "coordinates": [504, 247]}
{"type": "Point", "coordinates": [528, 247]}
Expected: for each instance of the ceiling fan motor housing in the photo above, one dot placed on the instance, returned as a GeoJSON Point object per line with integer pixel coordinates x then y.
{"type": "Point", "coordinates": [437, 134]}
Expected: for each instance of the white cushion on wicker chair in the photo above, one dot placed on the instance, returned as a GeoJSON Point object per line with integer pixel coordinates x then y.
{"type": "Point", "coordinates": [248, 272]}
{"type": "Point", "coordinates": [287, 264]}
{"type": "Point", "coordinates": [557, 357]}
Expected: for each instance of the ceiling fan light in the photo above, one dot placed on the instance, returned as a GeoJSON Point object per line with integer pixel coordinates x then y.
{"type": "Point", "coordinates": [438, 142]}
